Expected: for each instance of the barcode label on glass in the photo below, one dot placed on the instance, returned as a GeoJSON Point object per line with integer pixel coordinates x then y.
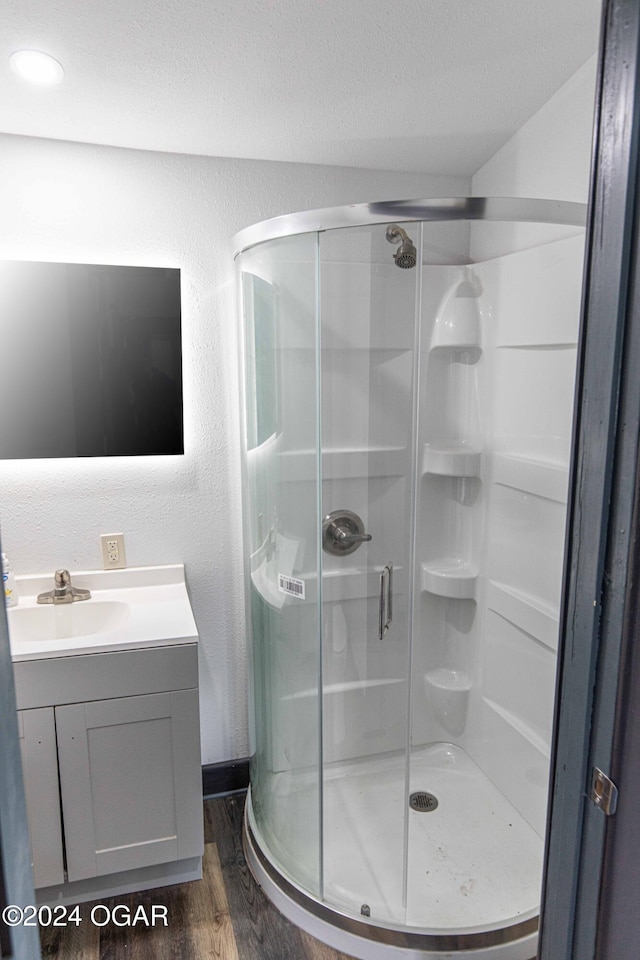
{"type": "Point", "coordinates": [295, 588]}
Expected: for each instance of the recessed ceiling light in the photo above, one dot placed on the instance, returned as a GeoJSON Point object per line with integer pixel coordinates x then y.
{"type": "Point", "coordinates": [36, 67]}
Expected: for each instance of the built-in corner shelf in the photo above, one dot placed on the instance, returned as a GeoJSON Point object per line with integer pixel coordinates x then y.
{"type": "Point", "coordinates": [450, 577]}
{"type": "Point", "coordinates": [457, 324]}
{"type": "Point", "coordinates": [344, 463]}
{"type": "Point", "coordinates": [456, 681]}
{"type": "Point", "coordinates": [448, 694]}
{"type": "Point", "coordinates": [454, 459]}
{"type": "Point", "coordinates": [466, 353]}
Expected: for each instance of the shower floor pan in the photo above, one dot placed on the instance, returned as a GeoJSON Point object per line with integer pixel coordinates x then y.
{"type": "Point", "coordinates": [474, 864]}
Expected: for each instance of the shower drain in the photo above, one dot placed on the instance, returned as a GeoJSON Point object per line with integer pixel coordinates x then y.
{"type": "Point", "coordinates": [422, 801]}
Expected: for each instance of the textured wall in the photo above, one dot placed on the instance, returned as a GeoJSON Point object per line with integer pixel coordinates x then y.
{"type": "Point", "coordinates": [66, 201]}
{"type": "Point", "coordinates": [550, 155]}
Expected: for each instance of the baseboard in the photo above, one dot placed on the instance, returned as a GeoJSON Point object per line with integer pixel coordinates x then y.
{"type": "Point", "coordinates": [221, 779]}
{"type": "Point", "coordinates": [119, 884]}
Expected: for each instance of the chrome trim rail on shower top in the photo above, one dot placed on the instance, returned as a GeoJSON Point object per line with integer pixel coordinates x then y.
{"type": "Point", "coordinates": [506, 209]}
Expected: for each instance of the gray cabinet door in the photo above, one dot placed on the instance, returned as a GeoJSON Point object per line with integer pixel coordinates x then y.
{"type": "Point", "coordinates": [37, 733]}
{"type": "Point", "coordinates": [130, 782]}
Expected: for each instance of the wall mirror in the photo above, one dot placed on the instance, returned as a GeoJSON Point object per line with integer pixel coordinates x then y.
{"type": "Point", "coordinates": [91, 360]}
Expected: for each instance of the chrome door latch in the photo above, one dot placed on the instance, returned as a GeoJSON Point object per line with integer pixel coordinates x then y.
{"type": "Point", "coordinates": [604, 792]}
{"type": "Point", "coordinates": [385, 606]}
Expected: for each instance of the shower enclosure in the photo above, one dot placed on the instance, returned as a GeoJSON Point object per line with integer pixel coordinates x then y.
{"type": "Point", "coordinates": [406, 465]}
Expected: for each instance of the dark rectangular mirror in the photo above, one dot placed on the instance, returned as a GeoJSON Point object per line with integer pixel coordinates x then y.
{"type": "Point", "coordinates": [91, 360]}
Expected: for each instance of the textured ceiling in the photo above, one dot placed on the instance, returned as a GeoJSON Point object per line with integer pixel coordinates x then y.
{"type": "Point", "coordinates": [424, 85]}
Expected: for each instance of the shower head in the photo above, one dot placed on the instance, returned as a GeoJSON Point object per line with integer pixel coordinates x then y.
{"type": "Point", "coordinates": [406, 256]}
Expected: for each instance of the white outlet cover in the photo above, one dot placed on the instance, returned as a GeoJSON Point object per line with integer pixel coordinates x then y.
{"type": "Point", "coordinates": [113, 555]}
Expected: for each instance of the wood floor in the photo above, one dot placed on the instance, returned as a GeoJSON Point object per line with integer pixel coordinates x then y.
{"type": "Point", "coordinates": [224, 916]}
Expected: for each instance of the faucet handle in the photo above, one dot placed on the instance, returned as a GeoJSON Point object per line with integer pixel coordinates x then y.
{"type": "Point", "coordinates": [343, 532]}
{"type": "Point", "coordinates": [62, 578]}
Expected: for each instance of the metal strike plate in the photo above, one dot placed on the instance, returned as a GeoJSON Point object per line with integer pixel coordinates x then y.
{"type": "Point", "coordinates": [604, 792]}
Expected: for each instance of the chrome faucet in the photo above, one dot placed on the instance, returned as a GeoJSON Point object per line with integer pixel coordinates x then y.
{"type": "Point", "coordinates": [63, 592]}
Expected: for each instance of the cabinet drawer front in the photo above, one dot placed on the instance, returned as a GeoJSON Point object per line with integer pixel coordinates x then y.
{"type": "Point", "coordinates": [108, 713]}
{"type": "Point", "coordinates": [40, 768]}
{"type": "Point", "coordinates": [97, 676]}
{"type": "Point", "coordinates": [130, 782]}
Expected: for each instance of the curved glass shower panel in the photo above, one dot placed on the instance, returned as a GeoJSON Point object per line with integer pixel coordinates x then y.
{"type": "Point", "coordinates": [279, 294]}
{"type": "Point", "coordinates": [368, 330]}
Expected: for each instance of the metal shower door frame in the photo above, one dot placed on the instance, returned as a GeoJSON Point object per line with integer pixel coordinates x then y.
{"type": "Point", "coordinates": [439, 209]}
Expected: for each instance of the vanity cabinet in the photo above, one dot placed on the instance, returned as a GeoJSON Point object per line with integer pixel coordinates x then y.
{"type": "Point", "coordinates": [118, 776]}
{"type": "Point", "coordinates": [37, 731]}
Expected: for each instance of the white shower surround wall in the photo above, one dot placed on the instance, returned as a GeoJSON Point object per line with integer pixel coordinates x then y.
{"type": "Point", "coordinates": [485, 647]}
{"type": "Point", "coordinates": [549, 156]}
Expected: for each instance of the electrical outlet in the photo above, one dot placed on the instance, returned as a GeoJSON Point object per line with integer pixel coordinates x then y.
{"type": "Point", "coordinates": [113, 557]}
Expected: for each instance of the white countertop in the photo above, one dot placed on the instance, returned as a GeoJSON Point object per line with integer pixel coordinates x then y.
{"type": "Point", "coordinates": [157, 612]}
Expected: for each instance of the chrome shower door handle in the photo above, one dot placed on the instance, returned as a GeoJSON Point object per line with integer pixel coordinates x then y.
{"type": "Point", "coordinates": [385, 601]}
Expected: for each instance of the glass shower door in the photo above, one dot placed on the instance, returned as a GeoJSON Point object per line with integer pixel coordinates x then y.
{"type": "Point", "coordinates": [279, 295]}
{"type": "Point", "coordinates": [367, 337]}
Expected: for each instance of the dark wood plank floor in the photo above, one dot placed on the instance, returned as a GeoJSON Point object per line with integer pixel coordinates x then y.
{"type": "Point", "coordinates": [224, 916]}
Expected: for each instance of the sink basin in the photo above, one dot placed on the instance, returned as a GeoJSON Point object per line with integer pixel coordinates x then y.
{"type": "Point", "coordinates": [135, 607]}
{"type": "Point", "coordinates": [62, 621]}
